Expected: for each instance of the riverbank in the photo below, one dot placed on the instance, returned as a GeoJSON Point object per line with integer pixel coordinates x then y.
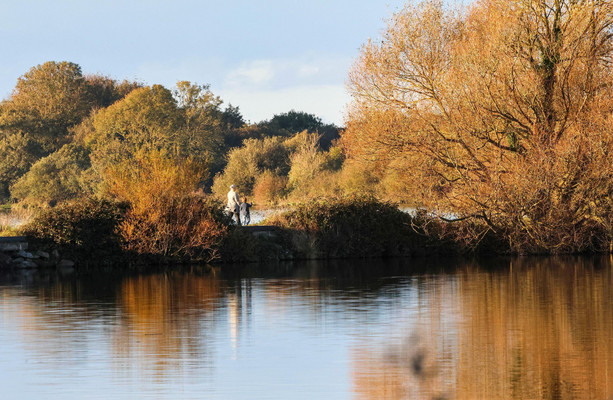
{"type": "Point", "coordinates": [96, 233]}
{"type": "Point", "coordinates": [16, 253]}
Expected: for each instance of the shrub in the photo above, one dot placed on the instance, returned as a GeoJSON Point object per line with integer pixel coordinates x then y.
{"type": "Point", "coordinates": [187, 226]}
{"type": "Point", "coordinates": [165, 217]}
{"type": "Point", "coordinates": [269, 188]}
{"type": "Point", "coordinates": [88, 227]}
{"type": "Point", "coordinates": [352, 227]}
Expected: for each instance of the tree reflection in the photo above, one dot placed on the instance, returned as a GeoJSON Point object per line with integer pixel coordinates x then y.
{"type": "Point", "coordinates": [162, 324]}
{"type": "Point", "coordinates": [542, 329]}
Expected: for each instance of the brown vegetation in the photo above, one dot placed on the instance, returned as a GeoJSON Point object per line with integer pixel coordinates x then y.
{"type": "Point", "coordinates": [500, 114]}
{"type": "Point", "coordinates": [165, 216]}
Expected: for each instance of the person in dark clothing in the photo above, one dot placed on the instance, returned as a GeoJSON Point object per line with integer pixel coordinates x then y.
{"type": "Point", "coordinates": [245, 216]}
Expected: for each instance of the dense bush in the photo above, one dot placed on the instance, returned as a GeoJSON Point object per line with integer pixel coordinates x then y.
{"type": "Point", "coordinates": [351, 227]}
{"type": "Point", "coordinates": [188, 227]}
{"type": "Point", "coordinates": [165, 216]}
{"type": "Point", "coordinates": [88, 227]}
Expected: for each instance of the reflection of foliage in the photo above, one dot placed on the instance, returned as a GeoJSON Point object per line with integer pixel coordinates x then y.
{"type": "Point", "coordinates": [165, 313]}
{"type": "Point", "coordinates": [538, 330]}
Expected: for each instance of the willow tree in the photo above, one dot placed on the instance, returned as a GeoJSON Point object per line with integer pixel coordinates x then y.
{"type": "Point", "coordinates": [499, 113]}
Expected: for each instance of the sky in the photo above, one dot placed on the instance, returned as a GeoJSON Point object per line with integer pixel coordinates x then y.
{"type": "Point", "coordinates": [265, 56]}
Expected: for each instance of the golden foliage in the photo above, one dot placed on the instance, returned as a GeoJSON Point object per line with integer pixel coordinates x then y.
{"type": "Point", "coordinates": [501, 113]}
{"type": "Point", "coordinates": [165, 217]}
{"type": "Point", "coordinates": [269, 188]}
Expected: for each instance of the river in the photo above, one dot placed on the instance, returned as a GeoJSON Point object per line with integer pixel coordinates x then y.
{"type": "Point", "coordinates": [521, 328]}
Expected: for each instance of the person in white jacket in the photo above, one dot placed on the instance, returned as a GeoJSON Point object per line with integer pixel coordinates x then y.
{"type": "Point", "coordinates": [234, 204]}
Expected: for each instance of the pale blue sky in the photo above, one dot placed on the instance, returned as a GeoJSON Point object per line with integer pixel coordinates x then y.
{"type": "Point", "coordinates": [266, 56]}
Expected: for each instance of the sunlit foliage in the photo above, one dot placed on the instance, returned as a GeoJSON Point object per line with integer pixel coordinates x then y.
{"type": "Point", "coordinates": [501, 114]}
{"type": "Point", "coordinates": [269, 188]}
{"type": "Point", "coordinates": [165, 217]}
{"type": "Point", "coordinates": [246, 163]}
{"type": "Point", "coordinates": [55, 178]}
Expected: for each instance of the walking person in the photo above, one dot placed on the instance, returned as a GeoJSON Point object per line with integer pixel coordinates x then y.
{"type": "Point", "coordinates": [233, 205]}
{"type": "Point", "coordinates": [245, 216]}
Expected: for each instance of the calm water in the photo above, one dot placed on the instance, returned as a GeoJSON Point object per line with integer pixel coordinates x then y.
{"type": "Point", "coordinates": [511, 329]}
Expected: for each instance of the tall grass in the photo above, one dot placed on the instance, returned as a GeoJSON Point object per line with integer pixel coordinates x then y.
{"type": "Point", "coordinates": [12, 218]}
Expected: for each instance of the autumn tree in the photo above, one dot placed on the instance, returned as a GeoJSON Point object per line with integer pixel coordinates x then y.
{"type": "Point", "coordinates": [46, 101]}
{"type": "Point", "coordinates": [500, 114]}
{"type": "Point", "coordinates": [204, 123]}
{"type": "Point", "coordinates": [248, 162]}
{"type": "Point", "coordinates": [42, 113]}
{"type": "Point", "coordinates": [186, 122]}
{"type": "Point", "coordinates": [165, 215]}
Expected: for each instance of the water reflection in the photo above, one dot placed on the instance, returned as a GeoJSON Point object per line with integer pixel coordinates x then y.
{"type": "Point", "coordinates": [541, 329]}
{"type": "Point", "coordinates": [426, 329]}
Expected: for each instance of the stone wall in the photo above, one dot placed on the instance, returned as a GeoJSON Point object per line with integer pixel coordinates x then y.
{"type": "Point", "coordinates": [15, 252]}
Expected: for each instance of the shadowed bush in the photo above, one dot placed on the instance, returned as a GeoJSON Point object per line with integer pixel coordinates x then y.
{"type": "Point", "coordinates": [351, 227]}
{"type": "Point", "coordinates": [87, 228]}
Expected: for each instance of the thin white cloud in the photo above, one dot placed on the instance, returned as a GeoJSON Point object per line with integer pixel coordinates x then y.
{"type": "Point", "coordinates": [280, 73]}
{"type": "Point", "coordinates": [307, 70]}
{"type": "Point", "coordinates": [254, 73]}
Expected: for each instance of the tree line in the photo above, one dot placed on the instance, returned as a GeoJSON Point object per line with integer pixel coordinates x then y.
{"type": "Point", "coordinates": [63, 134]}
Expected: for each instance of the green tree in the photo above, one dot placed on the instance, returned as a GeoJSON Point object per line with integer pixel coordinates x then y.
{"type": "Point", "coordinates": [16, 156]}
{"type": "Point", "coordinates": [104, 91]}
{"type": "Point", "coordinates": [46, 101]}
{"type": "Point", "coordinates": [184, 123]}
{"type": "Point", "coordinates": [202, 133]}
{"type": "Point", "coordinates": [147, 118]}
{"type": "Point", "coordinates": [55, 178]}
{"type": "Point", "coordinates": [246, 163]}
{"type": "Point", "coordinates": [293, 122]}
